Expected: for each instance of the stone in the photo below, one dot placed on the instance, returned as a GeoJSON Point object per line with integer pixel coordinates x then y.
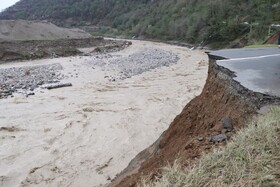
{"type": "Point", "coordinates": [227, 123]}
{"type": "Point", "coordinates": [30, 93]}
{"type": "Point", "coordinates": [15, 79]}
{"type": "Point", "coordinates": [218, 138]}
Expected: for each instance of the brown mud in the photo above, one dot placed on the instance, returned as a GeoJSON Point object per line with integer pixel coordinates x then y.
{"type": "Point", "coordinates": [187, 138]}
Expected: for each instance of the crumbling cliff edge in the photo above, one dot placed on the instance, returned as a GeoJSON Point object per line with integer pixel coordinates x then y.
{"type": "Point", "coordinates": [191, 132]}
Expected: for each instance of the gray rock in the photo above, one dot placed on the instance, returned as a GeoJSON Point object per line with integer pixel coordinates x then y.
{"type": "Point", "coordinates": [17, 79]}
{"type": "Point", "coordinates": [137, 63]}
{"type": "Point", "coordinates": [218, 138]}
{"type": "Point", "coordinates": [30, 93]}
{"type": "Point", "coordinates": [227, 123]}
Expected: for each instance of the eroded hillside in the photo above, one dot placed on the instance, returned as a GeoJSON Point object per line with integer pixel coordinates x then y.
{"type": "Point", "coordinates": [223, 107]}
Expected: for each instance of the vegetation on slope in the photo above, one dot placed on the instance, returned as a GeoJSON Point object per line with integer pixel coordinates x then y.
{"type": "Point", "coordinates": [193, 21]}
{"type": "Point", "coordinates": [251, 159]}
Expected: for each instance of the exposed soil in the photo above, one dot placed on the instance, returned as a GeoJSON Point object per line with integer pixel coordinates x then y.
{"type": "Point", "coordinates": [188, 136]}
{"type": "Point", "coordinates": [38, 49]}
{"type": "Point", "coordinates": [37, 30]}
{"type": "Point", "coordinates": [29, 40]}
{"type": "Point", "coordinates": [272, 39]}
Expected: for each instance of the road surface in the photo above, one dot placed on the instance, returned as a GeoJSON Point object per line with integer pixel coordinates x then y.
{"type": "Point", "coordinates": [256, 69]}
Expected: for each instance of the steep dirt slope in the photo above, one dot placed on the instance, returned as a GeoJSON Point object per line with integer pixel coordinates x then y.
{"type": "Point", "coordinates": [188, 135]}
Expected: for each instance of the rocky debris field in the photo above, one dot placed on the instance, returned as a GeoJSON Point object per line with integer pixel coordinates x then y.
{"type": "Point", "coordinates": [140, 62]}
{"type": "Point", "coordinates": [26, 79]}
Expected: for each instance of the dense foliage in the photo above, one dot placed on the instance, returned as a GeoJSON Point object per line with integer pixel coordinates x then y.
{"type": "Point", "coordinates": [194, 21]}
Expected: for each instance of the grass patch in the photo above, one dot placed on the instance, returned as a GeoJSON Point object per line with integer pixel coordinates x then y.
{"type": "Point", "coordinates": [252, 158]}
{"type": "Point", "coordinates": [262, 46]}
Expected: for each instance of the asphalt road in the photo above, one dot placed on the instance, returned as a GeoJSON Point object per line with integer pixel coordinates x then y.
{"type": "Point", "coordinates": [256, 69]}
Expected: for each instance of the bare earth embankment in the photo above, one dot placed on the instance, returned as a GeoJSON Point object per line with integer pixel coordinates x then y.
{"type": "Point", "coordinates": [84, 135]}
{"type": "Point", "coordinates": [32, 30]}
{"type": "Point", "coordinates": [231, 97]}
{"type": "Point", "coordinates": [28, 40]}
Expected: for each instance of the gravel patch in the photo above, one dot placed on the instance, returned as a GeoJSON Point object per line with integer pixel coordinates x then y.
{"type": "Point", "coordinates": [26, 79]}
{"type": "Point", "coordinates": [137, 63]}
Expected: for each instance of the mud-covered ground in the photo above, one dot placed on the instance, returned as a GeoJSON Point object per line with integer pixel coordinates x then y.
{"type": "Point", "coordinates": [39, 49]}
{"type": "Point", "coordinates": [84, 135]}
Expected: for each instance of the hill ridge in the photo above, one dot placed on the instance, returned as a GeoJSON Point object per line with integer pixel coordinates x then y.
{"type": "Point", "coordinates": [216, 22]}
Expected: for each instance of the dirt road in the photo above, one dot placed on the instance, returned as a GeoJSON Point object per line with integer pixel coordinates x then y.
{"type": "Point", "coordinates": [85, 134]}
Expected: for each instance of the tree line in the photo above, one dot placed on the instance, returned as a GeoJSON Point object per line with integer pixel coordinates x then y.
{"type": "Point", "coordinates": [194, 21]}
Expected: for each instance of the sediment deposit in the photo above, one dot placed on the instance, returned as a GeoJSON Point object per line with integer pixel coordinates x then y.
{"type": "Point", "coordinates": [37, 30]}
{"type": "Point", "coordinates": [85, 134]}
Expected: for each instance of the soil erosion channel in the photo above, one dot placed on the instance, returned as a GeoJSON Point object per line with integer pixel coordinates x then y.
{"type": "Point", "coordinates": [84, 135]}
